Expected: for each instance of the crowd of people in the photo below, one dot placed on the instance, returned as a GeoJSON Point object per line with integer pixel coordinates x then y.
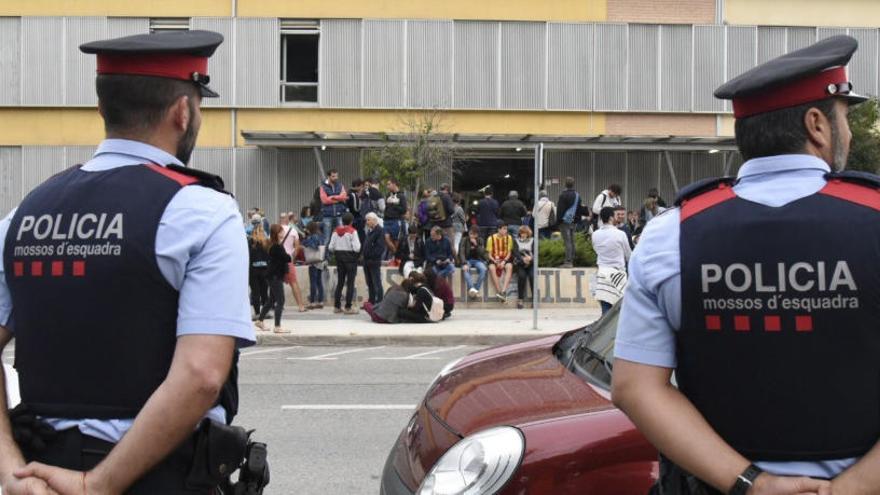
{"type": "Point", "coordinates": [429, 237]}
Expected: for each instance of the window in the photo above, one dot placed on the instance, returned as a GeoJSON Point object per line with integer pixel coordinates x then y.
{"type": "Point", "coordinates": [299, 61]}
{"type": "Point", "coordinates": [169, 24]}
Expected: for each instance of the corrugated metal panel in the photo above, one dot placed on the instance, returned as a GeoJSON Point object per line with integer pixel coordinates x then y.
{"type": "Point", "coordinates": [384, 63]}
{"type": "Point", "coordinates": [80, 68]}
{"type": "Point", "coordinates": [642, 169]}
{"type": "Point", "coordinates": [863, 67]}
{"type": "Point", "coordinates": [43, 74]}
{"type": "Point", "coordinates": [561, 164]}
{"type": "Point", "coordinates": [741, 51]}
{"type": "Point", "coordinates": [476, 64]}
{"type": "Point", "coordinates": [610, 169]}
{"type": "Point", "coordinates": [707, 165]}
{"type": "Point", "coordinates": [127, 26]}
{"type": "Point", "coordinates": [429, 68]}
{"type": "Point", "coordinates": [800, 37]}
{"type": "Point", "coordinates": [643, 78]}
{"type": "Point", "coordinates": [217, 161]}
{"type": "Point", "coordinates": [435, 177]}
{"type": "Point", "coordinates": [256, 179]}
{"type": "Point", "coordinates": [771, 43]}
{"type": "Point", "coordinates": [681, 165]}
{"type": "Point", "coordinates": [610, 49]}
{"type": "Point", "coordinates": [78, 155]}
{"type": "Point", "coordinates": [708, 67]}
{"type": "Point", "coordinates": [39, 163]}
{"type": "Point", "coordinates": [298, 176]}
{"type": "Point", "coordinates": [823, 33]}
{"type": "Point", "coordinates": [10, 61]}
{"type": "Point", "coordinates": [347, 162]}
{"type": "Point", "coordinates": [676, 71]}
{"type": "Point", "coordinates": [220, 66]}
{"type": "Point", "coordinates": [523, 68]}
{"type": "Point", "coordinates": [570, 78]}
{"type": "Point", "coordinates": [10, 179]}
{"type": "Point", "coordinates": [340, 73]}
{"type": "Point", "coordinates": [258, 62]}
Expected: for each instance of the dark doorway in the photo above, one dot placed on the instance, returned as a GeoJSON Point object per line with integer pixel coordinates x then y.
{"type": "Point", "coordinates": [502, 174]}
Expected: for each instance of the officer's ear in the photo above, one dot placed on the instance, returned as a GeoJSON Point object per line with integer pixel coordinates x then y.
{"type": "Point", "coordinates": [819, 134]}
{"type": "Point", "coordinates": [180, 114]}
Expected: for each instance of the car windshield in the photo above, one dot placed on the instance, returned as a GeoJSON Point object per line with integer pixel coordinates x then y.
{"type": "Point", "coordinates": [590, 352]}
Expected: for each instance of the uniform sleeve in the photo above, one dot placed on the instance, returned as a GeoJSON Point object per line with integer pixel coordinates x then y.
{"type": "Point", "coordinates": [652, 302]}
{"type": "Point", "coordinates": [5, 296]}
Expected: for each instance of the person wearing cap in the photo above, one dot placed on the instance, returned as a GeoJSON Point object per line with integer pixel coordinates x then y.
{"type": "Point", "coordinates": [762, 293]}
{"type": "Point", "coordinates": [127, 318]}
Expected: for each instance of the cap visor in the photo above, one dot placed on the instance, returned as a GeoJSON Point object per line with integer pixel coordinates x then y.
{"type": "Point", "coordinates": [854, 99]}
{"type": "Point", "coordinates": [208, 92]}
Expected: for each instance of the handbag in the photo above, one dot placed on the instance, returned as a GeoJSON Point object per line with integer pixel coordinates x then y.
{"type": "Point", "coordinates": [314, 256]}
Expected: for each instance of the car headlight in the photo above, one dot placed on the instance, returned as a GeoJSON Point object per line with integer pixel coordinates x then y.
{"type": "Point", "coordinates": [477, 465]}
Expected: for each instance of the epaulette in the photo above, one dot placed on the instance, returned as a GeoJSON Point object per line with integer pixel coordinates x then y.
{"type": "Point", "coordinates": [695, 189]}
{"type": "Point", "coordinates": [856, 177]}
{"type": "Point", "coordinates": [205, 179]}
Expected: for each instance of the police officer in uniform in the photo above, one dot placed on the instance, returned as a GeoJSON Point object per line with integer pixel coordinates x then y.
{"type": "Point", "coordinates": [762, 293]}
{"type": "Point", "coordinates": [124, 284]}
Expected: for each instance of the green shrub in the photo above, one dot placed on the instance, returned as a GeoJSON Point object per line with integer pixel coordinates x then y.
{"type": "Point", "coordinates": [551, 252]}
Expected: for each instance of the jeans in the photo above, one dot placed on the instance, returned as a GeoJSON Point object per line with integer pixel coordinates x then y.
{"type": "Point", "coordinates": [346, 271]}
{"type": "Point", "coordinates": [567, 231]}
{"type": "Point", "coordinates": [481, 274]}
{"type": "Point", "coordinates": [316, 285]}
{"type": "Point", "coordinates": [276, 288]}
{"type": "Point", "coordinates": [330, 223]}
{"type": "Point", "coordinates": [373, 275]}
{"type": "Point", "coordinates": [524, 274]}
{"type": "Point", "coordinates": [392, 228]}
{"type": "Point", "coordinates": [444, 270]}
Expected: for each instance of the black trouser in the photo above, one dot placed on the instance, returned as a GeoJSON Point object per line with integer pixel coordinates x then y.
{"type": "Point", "coordinates": [346, 271]}
{"type": "Point", "coordinates": [524, 274]}
{"type": "Point", "coordinates": [276, 287]}
{"type": "Point", "coordinates": [70, 449]}
{"type": "Point", "coordinates": [259, 289]}
{"type": "Point", "coordinates": [407, 315]}
{"type": "Point", "coordinates": [373, 274]}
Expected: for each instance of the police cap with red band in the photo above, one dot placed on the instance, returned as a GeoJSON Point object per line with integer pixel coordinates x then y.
{"type": "Point", "coordinates": [179, 55]}
{"type": "Point", "coordinates": [810, 74]}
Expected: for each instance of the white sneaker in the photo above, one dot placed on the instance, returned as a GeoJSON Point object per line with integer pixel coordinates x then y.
{"type": "Point", "coordinates": [501, 297]}
{"type": "Point", "coordinates": [473, 293]}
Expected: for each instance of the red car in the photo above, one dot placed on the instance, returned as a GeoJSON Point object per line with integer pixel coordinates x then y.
{"type": "Point", "coordinates": [534, 417]}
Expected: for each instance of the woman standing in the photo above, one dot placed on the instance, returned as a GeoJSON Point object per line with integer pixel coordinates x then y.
{"type": "Point", "coordinates": [523, 255]}
{"type": "Point", "coordinates": [258, 247]}
{"type": "Point", "coordinates": [459, 223]}
{"type": "Point", "coordinates": [276, 272]}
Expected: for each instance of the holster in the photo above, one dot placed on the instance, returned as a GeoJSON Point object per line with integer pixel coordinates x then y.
{"type": "Point", "coordinates": [674, 480]}
{"type": "Point", "coordinates": [219, 451]}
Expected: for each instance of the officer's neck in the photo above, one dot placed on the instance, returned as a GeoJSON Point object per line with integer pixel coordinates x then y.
{"type": "Point", "coordinates": [157, 139]}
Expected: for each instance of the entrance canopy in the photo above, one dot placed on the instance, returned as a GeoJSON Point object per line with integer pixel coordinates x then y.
{"type": "Point", "coordinates": [505, 142]}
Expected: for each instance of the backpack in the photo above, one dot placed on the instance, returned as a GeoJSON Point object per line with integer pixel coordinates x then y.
{"type": "Point", "coordinates": [435, 312]}
{"type": "Point", "coordinates": [436, 210]}
{"type": "Point", "coordinates": [568, 217]}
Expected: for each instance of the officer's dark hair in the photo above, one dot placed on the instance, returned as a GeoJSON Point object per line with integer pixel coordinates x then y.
{"type": "Point", "coordinates": [347, 218]}
{"type": "Point", "coordinates": [139, 103]}
{"type": "Point", "coordinates": [780, 132]}
{"type": "Point", "coordinates": [569, 182]}
{"type": "Point", "coordinates": [606, 213]}
{"type": "Point", "coordinates": [615, 188]}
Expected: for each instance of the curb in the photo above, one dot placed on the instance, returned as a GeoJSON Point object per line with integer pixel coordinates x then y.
{"type": "Point", "coordinates": [397, 339]}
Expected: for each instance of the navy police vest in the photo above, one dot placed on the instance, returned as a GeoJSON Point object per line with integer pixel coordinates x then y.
{"type": "Point", "coordinates": [94, 318]}
{"type": "Point", "coordinates": [779, 345]}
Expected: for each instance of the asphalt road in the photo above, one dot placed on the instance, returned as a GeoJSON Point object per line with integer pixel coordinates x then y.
{"type": "Point", "coordinates": [331, 414]}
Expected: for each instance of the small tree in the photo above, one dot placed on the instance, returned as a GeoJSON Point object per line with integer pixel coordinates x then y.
{"type": "Point", "coordinates": [864, 151]}
{"type": "Point", "coordinates": [421, 149]}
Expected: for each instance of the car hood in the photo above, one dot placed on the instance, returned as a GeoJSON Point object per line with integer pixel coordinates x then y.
{"type": "Point", "coordinates": [511, 385]}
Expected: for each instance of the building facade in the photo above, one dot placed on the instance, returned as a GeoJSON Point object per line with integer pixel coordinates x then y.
{"type": "Point", "coordinates": [622, 87]}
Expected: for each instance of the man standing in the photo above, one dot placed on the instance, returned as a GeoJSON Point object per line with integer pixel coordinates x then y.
{"type": "Point", "coordinates": [373, 252]}
{"type": "Point", "coordinates": [395, 211]}
{"type": "Point", "coordinates": [445, 195]}
{"type": "Point", "coordinates": [512, 212]}
{"type": "Point", "coordinates": [487, 214]}
{"type": "Point", "coordinates": [749, 286]}
{"type": "Point", "coordinates": [568, 206]}
{"type": "Point", "coordinates": [612, 253]}
{"type": "Point", "coordinates": [608, 198]}
{"type": "Point", "coordinates": [353, 203]}
{"type": "Point", "coordinates": [138, 346]}
{"type": "Point", "coordinates": [620, 221]}
{"type": "Point", "coordinates": [545, 215]}
{"type": "Point", "coordinates": [333, 199]}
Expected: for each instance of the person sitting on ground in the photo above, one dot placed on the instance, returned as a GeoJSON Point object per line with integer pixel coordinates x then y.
{"type": "Point", "coordinates": [422, 299]}
{"type": "Point", "coordinates": [523, 256]}
{"type": "Point", "coordinates": [410, 253]}
{"type": "Point", "coordinates": [499, 248]}
{"type": "Point", "coordinates": [438, 253]}
{"type": "Point", "coordinates": [441, 289]}
{"type": "Point", "coordinates": [279, 264]}
{"type": "Point", "coordinates": [388, 309]}
{"type": "Point", "coordinates": [472, 254]}
{"type": "Point", "coordinates": [345, 244]}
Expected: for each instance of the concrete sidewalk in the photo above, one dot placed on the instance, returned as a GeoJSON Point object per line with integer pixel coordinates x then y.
{"type": "Point", "coordinates": [466, 326]}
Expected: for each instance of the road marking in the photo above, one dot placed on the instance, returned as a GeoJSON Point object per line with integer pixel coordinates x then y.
{"type": "Point", "coordinates": [420, 356]}
{"type": "Point", "coordinates": [348, 407]}
{"type": "Point", "coordinates": [264, 351]}
{"type": "Point", "coordinates": [331, 356]}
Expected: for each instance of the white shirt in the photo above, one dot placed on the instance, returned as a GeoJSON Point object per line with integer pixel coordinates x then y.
{"type": "Point", "coordinates": [602, 200]}
{"type": "Point", "coordinates": [611, 246]}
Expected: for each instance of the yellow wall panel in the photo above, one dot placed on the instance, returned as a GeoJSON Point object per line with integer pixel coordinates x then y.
{"type": "Point", "coordinates": [118, 8]}
{"type": "Point", "coordinates": [299, 120]}
{"type": "Point", "coordinates": [83, 126]}
{"type": "Point", "coordinates": [848, 13]}
{"type": "Point", "coordinates": [530, 10]}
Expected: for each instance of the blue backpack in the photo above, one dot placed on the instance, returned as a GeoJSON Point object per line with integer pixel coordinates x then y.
{"type": "Point", "coordinates": [568, 217]}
